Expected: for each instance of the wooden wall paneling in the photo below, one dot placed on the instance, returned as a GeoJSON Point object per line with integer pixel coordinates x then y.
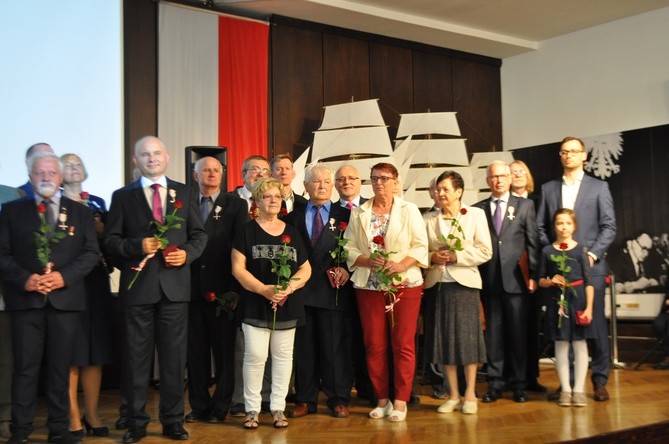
{"type": "Point", "coordinates": [391, 80]}
{"type": "Point", "coordinates": [296, 88]}
{"type": "Point", "coordinates": [433, 82]}
{"type": "Point", "coordinates": [345, 69]}
{"type": "Point", "coordinates": [140, 51]}
{"type": "Point", "coordinates": [477, 99]}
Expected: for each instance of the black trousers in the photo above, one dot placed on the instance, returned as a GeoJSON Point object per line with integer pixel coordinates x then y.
{"type": "Point", "coordinates": [321, 358]}
{"type": "Point", "coordinates": [506, 339]}
{"type": "Point", "coordinates": [37, 333]}
{"type": "Point", "coordinates": [162, 326]}
{"type": "Point", "coordinates": [661, 329]}
{"type": "Point", "coordinates": [209, 335]}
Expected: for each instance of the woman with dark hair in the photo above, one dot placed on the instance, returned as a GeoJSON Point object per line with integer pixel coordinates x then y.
{"type": "Point", "coordinates": [459, 241]}
{"type": "Point", "coordinates": [387, 246]}
{"type": "Point", "coordinates": [93, 347]}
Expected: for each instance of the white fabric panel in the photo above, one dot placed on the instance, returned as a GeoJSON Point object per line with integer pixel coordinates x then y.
{"type": "Point", "coordinates": [188, 82]}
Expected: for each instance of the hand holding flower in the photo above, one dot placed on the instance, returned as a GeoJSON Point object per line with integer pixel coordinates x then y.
{"type": "Point", "coordinates": [150, 245]}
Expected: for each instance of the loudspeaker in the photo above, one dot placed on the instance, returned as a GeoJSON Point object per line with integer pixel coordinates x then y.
{"type": "Point", "coordinates": [193, 153]}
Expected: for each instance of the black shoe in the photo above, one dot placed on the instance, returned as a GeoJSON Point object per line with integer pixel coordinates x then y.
{"type": "Point", "coordinates": [95, 431]}
{"type": "Point", "coordinates": [414, 399]}
{"type": "Point", "coordinates": [664, 365]}
{"type": "Point", "coordinates": [554, 396]}
{"type": "Point", "coordinates": [534, 386]}
{"type": "Point", "coordinates": [218, 414]}
{"type": "Point", "coordinates": [63, 437]}
{"type": "Point", "coordinates": [122, 421]}
{"type": "Point", "coordinates": [196, 417]}
{"type": "Point", "coordinates": [520, 395]}
{"type": "Point", "coordinates": [491, 395]}
{"type": "Point", "coordinates": [18, 438]}
{"type": "Point", "coordinates": [79, 434]}
{"type": "Point", "coordinates": [175, 431]}
{"type": "Point", "coordinates": [238, 411]}
{"type": "Point", "coordinates": [134, 434]}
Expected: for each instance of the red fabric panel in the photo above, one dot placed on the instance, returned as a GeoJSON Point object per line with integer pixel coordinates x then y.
{"type": "Point", "coordinates": [242, 91]}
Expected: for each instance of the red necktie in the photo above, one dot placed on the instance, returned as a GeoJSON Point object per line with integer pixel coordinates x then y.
{"type": "Point", "coordinates": [157, 203]}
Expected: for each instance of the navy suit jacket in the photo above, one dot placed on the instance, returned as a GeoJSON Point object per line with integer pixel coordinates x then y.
{"type": "Point", "coordinates": [595, 215]}
{"type": "Point", "coordinates": [129, 221]}
{"type": "Point", "coordinates": [518, 234]}
{"type": "Point", "coordinates": [212, 270]}
{"type": "Point", "coordinates": [318, 292]}
{"type": "Point", "coordinates": [74, 256]}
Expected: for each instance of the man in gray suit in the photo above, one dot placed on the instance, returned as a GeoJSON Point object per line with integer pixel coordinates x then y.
{"type": "Point", "coordinates": [513, 229]}
{"type": "Point", "coordinates": [591, 200]}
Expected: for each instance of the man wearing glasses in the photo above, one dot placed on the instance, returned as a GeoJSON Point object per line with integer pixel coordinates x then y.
{"type": "Point", "coordinates": [592, 202]}
{"type": "Point", "coordinates": [253, 168]}
{"type": "Point", "coordinates": [348, 183]}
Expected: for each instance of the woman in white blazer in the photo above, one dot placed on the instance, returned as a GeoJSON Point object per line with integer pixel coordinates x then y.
{"type": "Point", "coordinates": [388, 233]}
{"type": "Point", "coordinates": [459, 241]}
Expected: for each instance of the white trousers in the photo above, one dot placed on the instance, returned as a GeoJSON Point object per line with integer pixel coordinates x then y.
{"type": "Point", "coordinates": [258, 343]}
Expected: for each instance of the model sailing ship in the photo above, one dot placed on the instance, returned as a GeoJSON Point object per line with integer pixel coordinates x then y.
{"type": "Point", "coordinates": [427, 144]}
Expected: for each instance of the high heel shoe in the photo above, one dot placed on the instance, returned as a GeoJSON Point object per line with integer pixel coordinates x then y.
{"type": "Point", "coordinates": [95, 431]}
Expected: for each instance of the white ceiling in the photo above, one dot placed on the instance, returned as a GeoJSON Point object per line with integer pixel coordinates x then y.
{"type": "Point", "coordinates": [495, 28]}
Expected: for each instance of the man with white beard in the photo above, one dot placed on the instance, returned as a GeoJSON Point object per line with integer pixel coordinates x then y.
{"type": "Point", "coordinates": [47, 246]}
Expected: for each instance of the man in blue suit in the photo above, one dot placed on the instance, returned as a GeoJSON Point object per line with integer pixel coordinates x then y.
{"type": "Point", "coordinates": [155, 305]}
{"type": "Point", "coordinates": [591, 200]}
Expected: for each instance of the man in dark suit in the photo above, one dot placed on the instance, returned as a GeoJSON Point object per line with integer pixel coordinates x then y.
{"type": "Point", "coordinates": [320, 344]}
{"type": "Point", "coordinates": [211, 284]}
{"type": "Point", "coordinates": [44, 300]}
{"type": "Point", "coordinates": [155, 283]}
{"type": "Point", "coordinates": [592, 202]}
{"type": "Point", "coordinates": [505, 294]}
{"type": "Point", "coordinates": [282, 170]}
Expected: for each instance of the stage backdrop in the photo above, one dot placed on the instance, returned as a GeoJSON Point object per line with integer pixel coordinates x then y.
{"type": "Point", "coordinates": [636, 166]}
{"type": "Point", "coordinates": [212, 88]}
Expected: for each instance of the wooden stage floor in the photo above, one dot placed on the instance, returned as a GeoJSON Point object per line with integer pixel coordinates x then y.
{"type": "Point", "coordinates": [639, 398]}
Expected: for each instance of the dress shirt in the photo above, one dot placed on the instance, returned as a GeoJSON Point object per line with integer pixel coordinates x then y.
{"type": "Point", "coordinates": [245, 194]}
{"type": "Point", "coordinates": [309, 215]}
{"type": "Point", "coordinates": [570, 191]}
{"type": "Point", "coordinates": [356, 202]}
{"type": "Point", "coordinates": [148, 191]}
{"type": "Point", "coordinates": [53, 209]}
{"type": "Point", "coordinates": [503, 201]}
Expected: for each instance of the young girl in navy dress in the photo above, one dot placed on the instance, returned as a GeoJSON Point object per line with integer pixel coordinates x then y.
{"type": "Point", "coordinates": [569, 313]}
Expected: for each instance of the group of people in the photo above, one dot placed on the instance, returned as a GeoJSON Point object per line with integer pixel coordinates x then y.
{"type": "Point", "coordinates": [293, 295]}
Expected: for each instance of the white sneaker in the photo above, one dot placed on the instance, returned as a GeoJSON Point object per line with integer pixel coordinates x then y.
{"type": "Point", "coordinates": [470, 407]}
{"type": "Point", "coordinates": [449, 406]}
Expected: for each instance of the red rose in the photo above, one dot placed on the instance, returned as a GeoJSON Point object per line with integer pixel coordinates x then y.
{"type": "Point", "coordinates": [285, 239]}
{"type": "Point", "coordinates": [283, 211]}
{"type": "Point", "coordinates": [563, 246]}
{"type": "Point", "coordinates": [211, 296]}
{"type": "Point", "coordinates": [463, 211]}
{"type": "Point", "coordinates": [41, 208]}
{"type": "Point", "coordinates": [378, 240]}
{"type": "Point", "coordinates": [342, 226]}
{"type": "Point", "coordinates": [84, 195]}
{"type": "Point", "coordinates": [178, 204]}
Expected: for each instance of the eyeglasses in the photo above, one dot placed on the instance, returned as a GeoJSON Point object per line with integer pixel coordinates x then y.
{"type": "Point", "coordinates": [258, 170]}
{"type": "Point", "coordinates": [519, 173]}
{"type": "Point", "coordinates": [345, 179]}
{"type": "Point", "coordinates": [570, 153]}
{"type": "Point", "coordinates": [498, 177]}
{"type": "Point", "coordinates": [382, 179]}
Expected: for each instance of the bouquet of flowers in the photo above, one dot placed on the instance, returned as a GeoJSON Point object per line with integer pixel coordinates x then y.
{"type": "Point", "coordinates": [283, 271]}
{"type": "Point", "coordinates": [386, 281]}
{"type": "Point", "coordinates": [44, 238]}
{"type": "Point", "coordinates": [339, 254]}
{"type": "Point", "coordinates": [172, 221]}
{"type": "Point", "coordinates": [564, 268]}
